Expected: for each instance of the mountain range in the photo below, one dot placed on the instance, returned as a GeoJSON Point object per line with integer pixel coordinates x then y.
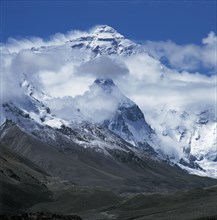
{"type": "Point", "coordinates": [100, 139]}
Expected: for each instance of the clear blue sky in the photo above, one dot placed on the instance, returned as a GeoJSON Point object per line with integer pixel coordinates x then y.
{"type": "Point", "coordinates": [180, 21]}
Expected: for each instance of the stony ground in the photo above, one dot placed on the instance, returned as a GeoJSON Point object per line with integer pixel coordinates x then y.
{"type": "Point", "coordinates": [39, 216]}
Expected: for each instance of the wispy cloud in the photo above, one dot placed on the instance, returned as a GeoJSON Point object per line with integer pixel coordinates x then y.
{"type": "Point", "coordinates": [14, 45]}
{"type": "Point", "coordinates": [189, 57]}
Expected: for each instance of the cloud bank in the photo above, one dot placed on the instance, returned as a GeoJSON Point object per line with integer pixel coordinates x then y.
{"type": "Point", "coordinates": [188, 57]}
{"type": "Point", "coordinates": [103, 67]}
{"type": "Point", "coordinates": [52, 66]}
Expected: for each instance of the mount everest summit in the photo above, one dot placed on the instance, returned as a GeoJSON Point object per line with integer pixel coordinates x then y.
{"type": "Point", "coordinates": [104, 116]}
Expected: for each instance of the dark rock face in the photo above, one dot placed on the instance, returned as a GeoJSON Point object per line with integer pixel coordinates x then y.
{"type": "Point", "coordinates": [104, 82]}
{"type": "Point", "coordinates": [215, 160]}
{"type": "Point", "coordinates": [39, 216]}
{"type": "Point", "coordinates": [125, 117]}
{"type": "Point", "coordinates": [190, 164]}
{"type": "Point", "coordinates": [10, 173]}
{"type": "Point", "coordinates": [203, 117]}
{"type": "Point", "coordinates": [10, 107]}
{"type": "Point", "coordinates": [132, 113]}
{"type": "Point", "coordinates": [106, 85]}
{"type": "Point", "coordinates": [118, 124]}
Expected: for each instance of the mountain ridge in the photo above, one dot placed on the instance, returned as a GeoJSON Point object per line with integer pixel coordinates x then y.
{"type": "Point", "coordinates": [108, 107]}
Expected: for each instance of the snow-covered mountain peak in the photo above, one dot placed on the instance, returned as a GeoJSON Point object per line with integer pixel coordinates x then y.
{"type": "Point", "coordinates": [106, 85]}
{"type": "Point", "coordinates": [104, 82]}
{"type": "Point", "coordinates": [106, 89]}
{"type": "Point", "coordinates": [105, 40]}
{"type": "Point", "coordinates": [100, 40]}
{"type": "Point", "coordinates": [117, 112]}
{"type": "Point", "coordinates": [105, 31]}
{"type": "Point", "coordinates": [103, 28]}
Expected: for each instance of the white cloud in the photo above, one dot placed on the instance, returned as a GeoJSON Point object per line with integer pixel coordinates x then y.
{"type": "Point", "coordinates": [64, 72]}
{"type": "Point", "coordinates": [103, 67]}
{"type": "Point", "coordinates": [16, 45]}
{"type": "Point", "coordinates": [187, 57]}
{"type": "Point", "coordinates": [9, 81]}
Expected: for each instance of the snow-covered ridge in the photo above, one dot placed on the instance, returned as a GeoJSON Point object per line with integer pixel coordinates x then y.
{"type": "Point", "coordinates": [105, 32]}
{"type": "Point", "coordinates": [193, 133]}
{"type": "Point", "coordinates": [100, 40]}
{"type": "Point", "coordinates": [104, 40]}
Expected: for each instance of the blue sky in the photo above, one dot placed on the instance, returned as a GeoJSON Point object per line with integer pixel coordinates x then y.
{"type": "Point", "coordinates": [180, 21]}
